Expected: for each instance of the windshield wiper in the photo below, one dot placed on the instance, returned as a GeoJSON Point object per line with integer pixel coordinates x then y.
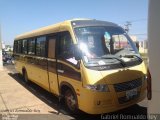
{"type": "Point", "coordinates": [114, 57]}
{"type": "Point", "coordinates": [131, 56]}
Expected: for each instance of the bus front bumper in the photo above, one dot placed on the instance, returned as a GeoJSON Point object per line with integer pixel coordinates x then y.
{"type": "Point", "coordinates": [107, 102]}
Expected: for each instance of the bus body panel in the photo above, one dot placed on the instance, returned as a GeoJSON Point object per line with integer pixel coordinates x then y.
{"type": "Point", "coordinates": [99, 103]}
{"type": "Point", "coordinates": [53, 83]}
{"type": "Point", "coordinates": [103, 102]}
{"type": "Point", "coordinates": [52, 73]}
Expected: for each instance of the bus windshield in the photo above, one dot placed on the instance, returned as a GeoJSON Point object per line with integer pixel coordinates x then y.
{"type": "Point", "coordinates": [102, 45]}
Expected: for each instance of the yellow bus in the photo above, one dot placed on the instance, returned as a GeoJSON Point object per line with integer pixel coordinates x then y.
{"type": "Point", "coordinates": [92, 64]}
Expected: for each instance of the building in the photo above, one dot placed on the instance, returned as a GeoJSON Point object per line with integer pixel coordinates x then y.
{"type": "Point", "coordinates": [143, 46]}
{"type": "Point", "coordinates": [7, 48]}
{"type": "Point", "coordinates": [3, 45]}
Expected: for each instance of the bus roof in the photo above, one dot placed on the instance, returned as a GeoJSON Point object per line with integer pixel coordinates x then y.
{"type": "Point", "coordinates": [79, 22]}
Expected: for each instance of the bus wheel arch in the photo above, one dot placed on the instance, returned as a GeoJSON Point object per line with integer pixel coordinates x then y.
{"type": "Point", "coordinates": [69, 95]}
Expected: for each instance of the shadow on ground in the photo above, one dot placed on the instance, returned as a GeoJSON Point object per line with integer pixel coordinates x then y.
{"type": "Point", "coordinates": [53, 102]}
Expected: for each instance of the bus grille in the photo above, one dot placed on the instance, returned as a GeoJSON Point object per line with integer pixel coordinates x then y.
{"type": "Point", "coordinates": [128, 85]}
{"type": "Point", "coordinates": [124, 99]}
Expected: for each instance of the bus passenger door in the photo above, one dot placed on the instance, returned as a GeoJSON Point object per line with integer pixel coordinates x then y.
{"type": "Point", "coordinates": [52, 72]}
{"type": "Point", "coordinates": [67, 67]}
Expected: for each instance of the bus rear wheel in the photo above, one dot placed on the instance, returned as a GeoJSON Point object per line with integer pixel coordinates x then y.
{"type": "Point", "coordinates": [25, 76]}
{"type": "Point", "coordinates": [71, 101]}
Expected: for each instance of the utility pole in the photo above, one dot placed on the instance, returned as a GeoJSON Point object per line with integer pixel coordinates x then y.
{"type": "Point", "coordinates": [127, 26]}
{"type": "Point", "coordinates": [1, 61]}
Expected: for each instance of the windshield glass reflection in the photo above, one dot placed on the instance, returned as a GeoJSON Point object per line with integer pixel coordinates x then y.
{"type": "Point", "coordinates": [100, 43]}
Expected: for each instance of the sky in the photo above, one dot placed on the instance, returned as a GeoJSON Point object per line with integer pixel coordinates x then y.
{"type": "Point", "coordinates": [19, 16]}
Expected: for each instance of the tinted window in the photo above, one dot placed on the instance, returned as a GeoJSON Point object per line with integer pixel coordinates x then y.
{"type": "Point", "coordinates": [65, 46]}
{"type": "Point", "coordinates": [41, 46]}
{"type": "Point", "coordinates": [19, 47]}
{"type": "Point", "coordinates": [31, 46]}
{"type": "Point", "coordinates": [15, 46]}
{"type": "Point", "coordinates": [24, 46]}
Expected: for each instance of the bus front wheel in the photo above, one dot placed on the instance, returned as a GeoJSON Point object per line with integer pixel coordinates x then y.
{"type": "Point", "coordinates": [71, 101]}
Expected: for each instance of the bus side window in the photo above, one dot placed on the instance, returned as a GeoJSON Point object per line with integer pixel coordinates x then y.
{"type": "Point", "coordinates": [24, 46]}
{"type": "Point", "coordinates": [41, 46]}
{"type": "Point", "coordinates": [65, 46]}
{"type": "Point", "coordinates": [19, 47]}
{"type": "Point", "coordinates": [31, 46]}
{"type": "Point", "coordinates": [15, 47]}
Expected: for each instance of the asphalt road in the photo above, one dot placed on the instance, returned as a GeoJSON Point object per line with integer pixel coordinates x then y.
{"type": "Point", "coordinates": [52, 101]}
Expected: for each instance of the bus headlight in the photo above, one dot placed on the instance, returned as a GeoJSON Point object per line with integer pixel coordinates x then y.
{"type": "Point", "coordinates": [99, 87]}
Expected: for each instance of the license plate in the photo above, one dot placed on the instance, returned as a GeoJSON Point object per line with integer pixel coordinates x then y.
{"type": "Point", "coordinates": [131, 93]}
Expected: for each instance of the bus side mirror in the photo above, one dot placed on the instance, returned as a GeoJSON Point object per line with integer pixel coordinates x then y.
{"type": "Point", "coordinates": [77, 52]}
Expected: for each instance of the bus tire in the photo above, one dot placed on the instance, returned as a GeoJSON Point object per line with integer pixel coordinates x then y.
{"type": "Point", "coordinates": [25, 76]}
{"type": "Point", "coordinates": [71, 101]}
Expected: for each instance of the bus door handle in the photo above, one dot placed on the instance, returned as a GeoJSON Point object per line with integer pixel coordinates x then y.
{"type": "Point", "coordinates": [60, 71]}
